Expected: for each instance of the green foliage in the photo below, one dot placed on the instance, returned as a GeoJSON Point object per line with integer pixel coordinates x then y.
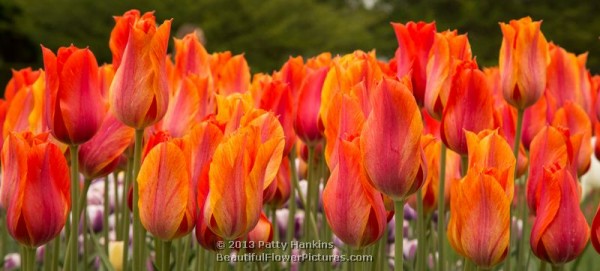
{"type": "Point", "coordinates": [268, 31]}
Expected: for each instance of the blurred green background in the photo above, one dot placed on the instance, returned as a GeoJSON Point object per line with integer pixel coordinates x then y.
{"type": "Point", "coordinates": [268, 31]}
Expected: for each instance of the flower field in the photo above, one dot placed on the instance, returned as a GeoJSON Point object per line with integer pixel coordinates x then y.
{"type": "Point", "coordinates": [183, 159]}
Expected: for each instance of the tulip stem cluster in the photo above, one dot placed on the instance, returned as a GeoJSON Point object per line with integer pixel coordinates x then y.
{"type": "Point", "coordinates": [75, 215]}
{"type": "Point", "coordinates": [28, 258]}
{"type": "Point", "coordinates": [441, 221]}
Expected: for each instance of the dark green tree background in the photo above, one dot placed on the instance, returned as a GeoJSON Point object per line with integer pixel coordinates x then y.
{"type": "Point", "coordinates": [268, 31]}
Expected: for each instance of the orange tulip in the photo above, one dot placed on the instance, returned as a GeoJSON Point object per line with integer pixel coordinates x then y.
{"type": "Point", "coordinates": [292, 73]}
{"type": "Point", "coordinates": [21, 78]}
{"type": "Point", "coordinates": [184, 107]}
{"type": "Point", "coordinates": [429, 191]}
{"type": "Point", "coordinates": [191, 57]}
{"type": "Point", "coordinates": [551, 147]}
{"type": "Point", "coordinates": [233, 76]}
{"type": "Point", "coordinates": [345, 118]}
{"type": "Point", "coordinates": [523, 61]}
{"type": "Point", "coordinates": [35, 188]}
{"type": "Point", "coordinates": [414, 43]}
{"type": "Point", "coordinates": [564, 74]}
{"type": "Point", "coordinates": [349, 196]}
{"type": "Point", "coordinates": [73, 103]}
{"type": "Point", "coordinates": [480, 218]}
{"type": "Point", "coordinates": [571, 116]}
{"type": "Point", "coordinates": [139, 91]}
{"type": "Point", "coordinates": [536, 117]}
{"type": "Point", "coordinates": [306, 121]}
{"type": "Point", "coordinates": [391, 141]}
{"type": "Point", "coordinates": [447, 51]}
{"type": "Point", "coordinates": [274, 95]}
{"type": "Point", "coordinates": [469, 107]}
{"type": "Point", "coordinates": [167, 204]}
{"type": "Point", "coordinates": [560, 231]}
{"type": "Point", "coordinates": [101, 155]}
{"type": "Point", "coordinates": [24, 108]}
{"type": "Point", "coordinates": [243, 165]}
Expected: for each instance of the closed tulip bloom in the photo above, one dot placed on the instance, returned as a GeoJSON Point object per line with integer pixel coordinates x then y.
{"type": "Point", "coordinates": [24, 108]}
{"type": "Point", "coordinates": [139, 91]}
{"type": "Point", "coordinates": [391, 141]}
{"type": "Point", "coordinates": [21, 78]}
{"type": "Point", "coordinates": [344, 118]}
{"type": "Point", "coordinates": [560, 231]}
{"type": "Point", "coordinates": [35, 188]}
{"type": "Point", "coordinates": [349, 196]}
{"type": "Point", "coordinates": [430, 189]}
{"type": "Point", "coordinates": [73, 103]}
{"type": "Point", "coordinates": [184, 106]}
{"type": "Point", "coordinates": [191, 57]}
{"type": "Point", "coordinates": [167, 203]}
{"type": "Point", "coordinates": [469, 107]}
{"type": "Point", "coordinates": [524, 58]}
{"type": "Point", "coordinates": [551, 147]}
{"type": "Point", "coordinates": [233, 76]}
{"type": "Point", "coordinates": [243, 165]}
{"type": "Point", "coordinates": [480, 218]}
{"type": "Point", "coordinates": [564, 82]}
{"type": "Point", "coordinates": [571, 116]}
{"type": "Point", "coordinates": [101, 155]}
{"type": "Point", "coordinates": [278, 193]}
{"type": "Point", "coordinates": [414, 43]}
{"type": "Point", "coordinates": [306, 123]}
{"type": "Point", "coordinates": [259, 236]}
{"type": "Point", "coordinates": [447, 51]}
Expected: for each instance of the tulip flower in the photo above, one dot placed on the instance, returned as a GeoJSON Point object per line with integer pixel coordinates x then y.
{"type": "Point", "coordinates": [390, 141]}
{"type": "Point", "coordinates": [552, 146]}
{"type": "Point", "coordinates": [306, 121]}
{"type": "Point", "coordinates": [166, 202]}
{"type": "Point", "coordinates": [101, 155]}
{"type": "Point", "coordinates": [414, 43]}
{"type": "Point", "coordinates": [184, 106]}
{"type": "Point", "coordinates": [535, 118]}
{"type": "Point", "coordinates": [447, 51]}
{"type": "Point", "coordinates": [73, 103]}
{"type": "Point", "coordinates": [560, 231]}
{"type": "Point", "coordinates": [524, 58]}
{"type": "Point", "coordinates": [233, 76]}
{"type": "Point", "coordinates": [564, 73]}
{"type": "Point", "coordinates": [574, 118]}
{"type": "Point", "coordinates": [21, 78]}
{"type": "Point", "coordinates": [24, 108]}
{"type": "Point", "coordinates": [469, 107]}
{"type": "Point", "coordinates": [344, 118]}
{"type": "Point", "coordinates": [139, 91]}
{"type": "Point", "coordinates": [292, 73]}
{"type": "Point", "coordinates": [349, 196]}
{"type": "Point", "coordinates": [35, 188]}
{"type": "Point", "coordinates": [191, 57]}
{"type": "Point", "coordinates": [243, 165]}
{"type": "Point", "coordinates": [480, 218]}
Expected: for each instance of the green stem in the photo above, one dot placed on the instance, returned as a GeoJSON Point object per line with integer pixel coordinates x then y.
{"type": "Point", "coordinates": [421, 244]}
{"type": "Point", "coordinates": [469, 266]}
{"type": "Point", "coordinates": [558, 267]}
{"type": "Point", "coordinates": [226, 252]}
{"type": "Point", "coordinates": [166, 256]}
{"type": "Point", "coordinates": [184, 258]}
{"type": "Point", "coordinates": [543, 265]}
{"type": "Point", "coordinates": [399, 235]}
{"type": "Point", "coordinates": [200, 256]}
{"type": "Point", "coordinates": [125, 214]}
{"type": "Point", "coordinates": [105, 214]}
{"type": "Point", "coordinates": [291, 227]}
{"type": "Point", "coordinates": [47, 257]}
{"type": "Point", "coordinates": [28, 258]}
{"type": "Point", "coordinates": [516, 146]}
{"type": "Point", "coordinates": [178, 252]}
{"type": "Point", "coordinates": [309, 196]}
{"type": "Point", "coordinates": [55, 253]}
{"type": "Point", "coordinates": [116, 204]}
{"type": "Point", "coordinates": [138, 231]}
{"type": "Point", "coordinates": [74, 234]}
{"type": "Point", "coordinates": [441, 229]}
{"type": "Point", "coordinates": [159, 252]}
{"type": "Point", "coordinates": [275, 265]}
{"type": "Point", "coordinates": [85, 240]}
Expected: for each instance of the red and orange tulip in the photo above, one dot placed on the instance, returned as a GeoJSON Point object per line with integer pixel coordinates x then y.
{"type": "Point", "coordinates": [260, 235]}
{"type": "Point", "coordinates": [306, 123]}
{"type": "Point", "coordinates": [414, 43]}
{"type": "Point", "coordinates": [560, 231]}
{"type": "Point", "coordinates": [167, 201]}
{"type": "Point", "coordinates": [524, 58]}
{"type": "Point", "coordinates": [25, 106]}
{"type": "Point", "coordinates": [480, 218]}
{"type": "Point", "coordinates": [391, 141]}
{"type": "Point", "coordinates": [35, 188]}
{"type": "Point", "coordinates": [243, 165]}
{"type": "Point", "coordinates": [447, 51]}
{"type": "Point", "coordinates": [139, 91]}
{"type": "Point", "coordinates": [551, 147]}
{"type": "Point", "coordinates": [349, 196]}
{"type": "Point", "coordinates": [571, 116]}
{"type": "Point", "coordinates": [595, 231]}
{"type": "Point", "coordinates": [469, 107]}
{"type": "Point", "coordinates": [73, 103]}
